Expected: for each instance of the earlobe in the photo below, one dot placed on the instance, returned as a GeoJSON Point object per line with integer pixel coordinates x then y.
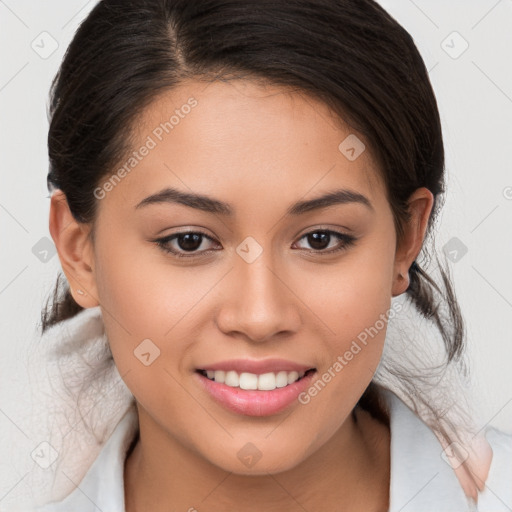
{"type": "Point", "coordinates": [400, 284]}
{"type": "Point", "coordinates": [75, 251]}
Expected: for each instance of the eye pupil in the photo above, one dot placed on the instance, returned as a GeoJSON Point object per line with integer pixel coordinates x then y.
{"type": "Point", "coordinates": [189, 241]}
{"type": "Point", "coordinates": [319, 239]}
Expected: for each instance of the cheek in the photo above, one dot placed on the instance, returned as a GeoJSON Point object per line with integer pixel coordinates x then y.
{"type": "Point", "coordinates": [357, 315]}
{"type": "Point", "coordinates": [141, 301]}
{"type": "Point", "coordinates": [142, 289]}
{"type": "Point", "coordinates": [351, 349]}
{"type": "Point", "coordinates": [353, 305]}
{"type": "Point", "coordinates": [144, 296]}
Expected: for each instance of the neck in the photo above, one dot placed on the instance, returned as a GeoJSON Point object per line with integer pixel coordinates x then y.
{"type": "Point", "coordinates": [349, 472]}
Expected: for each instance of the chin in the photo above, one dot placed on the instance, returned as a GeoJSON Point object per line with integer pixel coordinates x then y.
{"type": "Point", "coordinates": [251, 461]}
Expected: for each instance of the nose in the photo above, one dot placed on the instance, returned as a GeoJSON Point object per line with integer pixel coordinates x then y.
{"type": "Point", "coordinates": [259, 304]}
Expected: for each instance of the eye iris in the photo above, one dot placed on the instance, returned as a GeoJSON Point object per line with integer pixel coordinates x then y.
{"type": "Point", "coordinates": [319, 239]}
{"type": "Point", "coordinates": [189, 241]}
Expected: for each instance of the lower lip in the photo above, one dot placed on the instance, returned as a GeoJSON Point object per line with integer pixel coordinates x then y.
{"type": "Point", "coordinates": [255, 402]}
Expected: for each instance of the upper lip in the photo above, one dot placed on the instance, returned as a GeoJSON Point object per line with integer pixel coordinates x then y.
{"type": "Point", "coordinates": [257, 367]}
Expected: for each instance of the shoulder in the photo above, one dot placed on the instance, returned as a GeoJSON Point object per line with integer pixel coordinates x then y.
{"type": "Point", "coordinates": [497, 494]}
{"type": "Point", "coordinates": [501, 443]}
{"type": "Point", "coordinates": [422, 477]}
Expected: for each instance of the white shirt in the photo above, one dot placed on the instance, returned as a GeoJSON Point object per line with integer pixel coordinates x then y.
{"type": "Point", "coordinates": [421, 480]}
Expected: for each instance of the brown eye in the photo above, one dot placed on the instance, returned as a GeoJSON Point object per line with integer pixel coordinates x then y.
{"type": "Point", "coordinates": [189, 241]}
{"type": "Point", "coordinates": [320, 240]}
{"type": "Point", "coordinates": [179, 244]}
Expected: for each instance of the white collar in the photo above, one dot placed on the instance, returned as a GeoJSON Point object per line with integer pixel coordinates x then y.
{"type": "Point", "coordinates": [421, 480]}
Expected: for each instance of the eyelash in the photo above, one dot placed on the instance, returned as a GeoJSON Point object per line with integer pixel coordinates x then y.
{"type": "Point", "coordinates": [348, 241]}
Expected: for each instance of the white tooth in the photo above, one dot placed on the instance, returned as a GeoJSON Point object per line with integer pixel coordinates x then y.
{"type": "Point", "coordinates": [232, 379]}
{"type": "Point", "coordinates": [281, 379]}
{"type": "Point", "coordinates": [248, 381]}
{"type": "Point", "coordinates": [267, 381]}
{"type": "Point", "coordinates": [220, 375]}
{"type": "Point", "coordinates": [292, 377]}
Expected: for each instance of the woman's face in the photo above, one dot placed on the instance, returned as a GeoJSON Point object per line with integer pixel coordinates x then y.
{"type": "Point", "coordinates": [270, 275]}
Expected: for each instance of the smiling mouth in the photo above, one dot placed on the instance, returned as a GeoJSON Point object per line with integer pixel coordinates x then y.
{"type": "Point", "coordinates": [262, 382]}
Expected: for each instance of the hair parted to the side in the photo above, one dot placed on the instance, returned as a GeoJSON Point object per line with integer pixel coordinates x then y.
{"type": "Point", "coordinates": [351, 55]}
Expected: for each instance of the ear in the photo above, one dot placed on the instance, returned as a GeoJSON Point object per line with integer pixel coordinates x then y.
{"type": "Point", "coordinates": [75, 251]}
{"type": "Point", "coordinates": [420, 205]}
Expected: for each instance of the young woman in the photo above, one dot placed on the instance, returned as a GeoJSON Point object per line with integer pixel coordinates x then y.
{"type": "Point", "coordinates": [240, 191]}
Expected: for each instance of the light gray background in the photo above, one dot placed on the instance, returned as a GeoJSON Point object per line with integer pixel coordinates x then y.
{"type": "Point", "coordinates": [474, 92]}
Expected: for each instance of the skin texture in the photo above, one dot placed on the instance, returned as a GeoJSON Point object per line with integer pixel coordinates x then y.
{"type": "Point", "coordinates": [259, 148]}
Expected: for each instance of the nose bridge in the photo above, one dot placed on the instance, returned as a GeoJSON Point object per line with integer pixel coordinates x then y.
{"type": "Point", "coordinates": [260, 305]}
{"type": "Point", "coordinates": [262, 289]}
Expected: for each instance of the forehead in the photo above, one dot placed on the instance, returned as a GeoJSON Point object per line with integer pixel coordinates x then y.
{"type": "Point", "coordinates": [267, 139]}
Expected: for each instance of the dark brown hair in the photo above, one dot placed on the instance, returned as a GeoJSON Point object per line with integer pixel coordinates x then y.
{"type": "Point", "coordinates": [350, 54]}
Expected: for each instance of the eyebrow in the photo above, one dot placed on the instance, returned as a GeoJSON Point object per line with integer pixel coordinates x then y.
{"type": "Point", "coordinates": [211, 205]}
